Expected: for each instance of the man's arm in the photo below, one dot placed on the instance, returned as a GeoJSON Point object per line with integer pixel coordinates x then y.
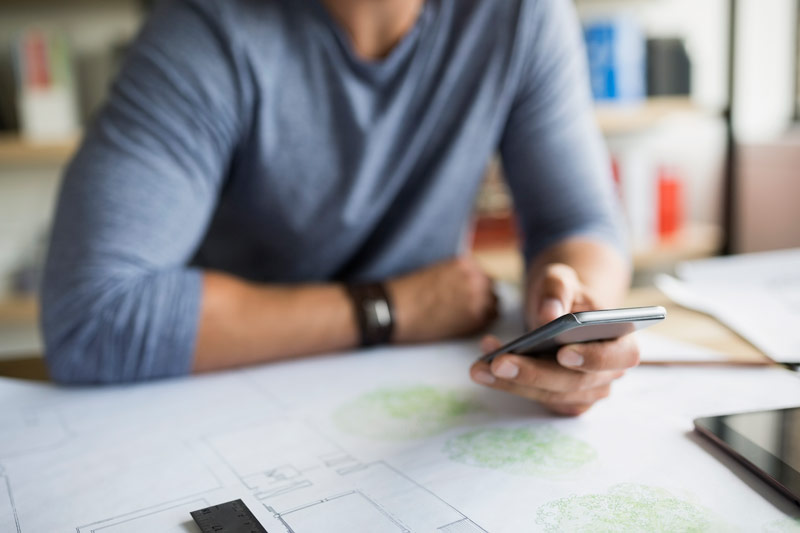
{"type": "Point", "coordinates": [244, 323]}
{"type": "Point", "coordinates": [559, 174]}
{"type": "Point", "coordinates": [119, 302]}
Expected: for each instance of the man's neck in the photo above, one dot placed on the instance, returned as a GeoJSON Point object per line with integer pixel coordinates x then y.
{"type": "Point", "coordinates": [375, 26]}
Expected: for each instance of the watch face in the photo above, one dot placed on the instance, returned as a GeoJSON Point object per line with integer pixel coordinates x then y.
{"type": "Point", "coordinates": [378, 314]}
{"type": "Point", "coordinates": [373, 312]}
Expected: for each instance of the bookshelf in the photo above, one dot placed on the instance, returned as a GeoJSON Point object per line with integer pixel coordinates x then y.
{"type": "Point", "coordinates": [612, 119]}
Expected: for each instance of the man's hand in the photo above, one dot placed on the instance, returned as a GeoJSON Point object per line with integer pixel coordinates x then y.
{"type": "Point", "coordinates": [449, 299]}
{"type": "Point", "coordinates": [583, 372]}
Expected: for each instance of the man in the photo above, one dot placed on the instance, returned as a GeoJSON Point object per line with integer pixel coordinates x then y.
{"type": "Point", "coordinates": [277, 178]}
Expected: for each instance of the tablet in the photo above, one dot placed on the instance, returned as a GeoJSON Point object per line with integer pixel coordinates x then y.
{"type": "Point", "coordinates": [767, 442]}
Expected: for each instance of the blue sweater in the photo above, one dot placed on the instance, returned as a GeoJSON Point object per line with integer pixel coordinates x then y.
{"type": "Point", "coordinates": [246, 136]}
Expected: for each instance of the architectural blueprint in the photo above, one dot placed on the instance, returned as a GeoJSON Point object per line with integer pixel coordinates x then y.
{"type": "Point", "coordinates": [392, 439]}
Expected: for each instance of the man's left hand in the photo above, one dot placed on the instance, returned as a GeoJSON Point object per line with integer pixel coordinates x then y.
{"type": "Point", "coordinates": [581, 374]}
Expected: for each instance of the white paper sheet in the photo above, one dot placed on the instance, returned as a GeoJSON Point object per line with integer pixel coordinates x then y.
{"type": "Point", "coordinates": [393, 439]}
{"type": "Point", "coordinates": [757, 295]}
{"type": "Point", "coordinates": [655, 348]}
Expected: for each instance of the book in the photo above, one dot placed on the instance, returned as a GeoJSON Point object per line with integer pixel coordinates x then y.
{"type": "Point", "coordinates": [616, 49]}
{"type": "Point", "coordinates": [44, 74]}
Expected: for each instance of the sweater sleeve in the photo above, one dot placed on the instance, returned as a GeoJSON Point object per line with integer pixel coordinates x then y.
{"type": "Point", "coordinates": [553, 155]}
{"type": "Point", "coordinates": [118, 301]}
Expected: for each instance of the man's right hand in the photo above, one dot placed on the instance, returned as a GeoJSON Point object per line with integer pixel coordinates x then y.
{"type": "Point", "coordinates": [449, 299]}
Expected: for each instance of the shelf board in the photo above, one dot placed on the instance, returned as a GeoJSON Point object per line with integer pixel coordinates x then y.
{"type": "Point", "coordinates": [694, 242]}
{"type": "Point", "coordinates": [16, 151]}
{"type": "Point", "coordinates": [613, 120]}
{"type": "Point", "coordinates": [616, 119]}
{"type": "Point", "coordinates": [504, 261]}
{"type": "Point", "coordinates": [19, 310]}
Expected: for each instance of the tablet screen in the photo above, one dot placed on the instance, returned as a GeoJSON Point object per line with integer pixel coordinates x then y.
{"type": "Point", "coordinates": [768, 442]}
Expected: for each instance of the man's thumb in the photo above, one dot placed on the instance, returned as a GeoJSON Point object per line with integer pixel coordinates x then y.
{"type": "Point", "coordinates": [549, 309]}
{"type": "Point", "coordinates": [556, 292]}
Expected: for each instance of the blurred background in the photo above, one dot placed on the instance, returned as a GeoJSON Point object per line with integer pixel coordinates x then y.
{"type": "Point", "coordinates": [697, 99]}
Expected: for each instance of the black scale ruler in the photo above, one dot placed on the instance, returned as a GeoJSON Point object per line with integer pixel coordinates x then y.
{"type": "Point", "coordinates": [229, 517]}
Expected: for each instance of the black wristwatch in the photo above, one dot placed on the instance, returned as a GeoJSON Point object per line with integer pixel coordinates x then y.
{"type": "Point", "coordinates": [374, 313]}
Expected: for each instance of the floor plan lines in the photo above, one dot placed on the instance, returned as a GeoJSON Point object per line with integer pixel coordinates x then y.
{"type": "Point", "coordinates": [352, 511]}
{"type": "Point", "coordinates": [273, 456]}
{"type": "Point", "coordinates": [141, 458]}
{"type": "Point", "coordinates": [152, 519]}
{"type": "Point", "coordinates": [309, 483]}
{"type": "Point", "coordinates": [113, 479]}
{"type": "Point", "coordinates": [379, 499]}
{"type": "Point", "coordinates": [9, 521]}
{"type": "Point", "coordinates": [464, 525]}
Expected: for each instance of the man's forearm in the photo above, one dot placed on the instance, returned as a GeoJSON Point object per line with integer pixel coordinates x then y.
{"type": "Point", "coordinates": [243, 323]}
{"type": "Point", "coordinates": [600, 267]}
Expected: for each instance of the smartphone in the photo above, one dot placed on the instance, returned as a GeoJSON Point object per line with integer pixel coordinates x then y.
{"type": "Point", "coordinates": [585, 326]}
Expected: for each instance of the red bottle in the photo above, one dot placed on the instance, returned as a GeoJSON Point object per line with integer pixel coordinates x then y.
{"type": "Point", "coordinates": [670, 203]}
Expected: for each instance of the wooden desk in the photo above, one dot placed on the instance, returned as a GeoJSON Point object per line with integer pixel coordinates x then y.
{"type": "Point", "coordinates": [31, 367]}
{"type": "Point", "coordinates": [21, 313]}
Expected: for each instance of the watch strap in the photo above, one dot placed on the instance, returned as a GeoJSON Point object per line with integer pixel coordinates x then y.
{"type": "Point", "coordinates": [373, 310]}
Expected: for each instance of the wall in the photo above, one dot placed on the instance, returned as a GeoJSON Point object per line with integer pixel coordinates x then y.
{"type": "Point", "coordinates": [768, 211]}
{"type": "Point", "coordinates": [765, 69]}
{"type": "Point", "coordinates": [27, 197]}
{"type": "Point", "coordinates": [768, 189]}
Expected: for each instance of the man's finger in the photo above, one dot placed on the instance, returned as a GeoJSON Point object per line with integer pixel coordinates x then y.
{"type": "Point", "coordinates": [556, 292]}
{"type": "Point", "coordinates": [480, 374]}
{"type": "Point", "coordinates": [555, 398]}
{"type": "Point", "coordinates": [570, 409]}
{"type": "Point", "coordinates": [619, 354]}
{"type": "Point", "coordinates": [547, 375]}
{"type": "Point", "coordinates": [490, 343]}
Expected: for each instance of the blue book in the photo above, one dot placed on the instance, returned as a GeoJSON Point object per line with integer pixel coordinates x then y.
{"type": "Point", "coordinates": [616, 49]}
